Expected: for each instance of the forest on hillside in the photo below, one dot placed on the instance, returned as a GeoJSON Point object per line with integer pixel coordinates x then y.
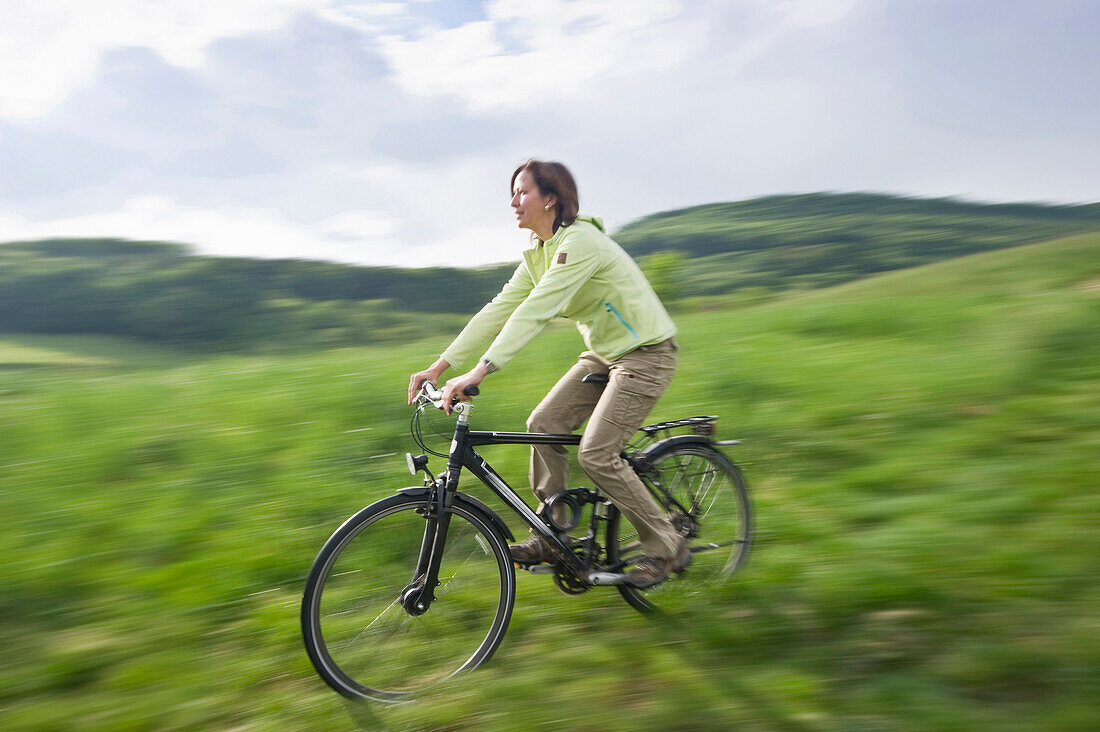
{"type": "Point", "coordinates": [821, 239]}
{"type": "Point", "coordinates": [159, 291]}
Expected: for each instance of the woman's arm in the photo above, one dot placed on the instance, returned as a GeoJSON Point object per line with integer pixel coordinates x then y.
{"type": "Point", "coordinates": [485, 325]}
{"type": "Point", "coordinates": [477, 333]}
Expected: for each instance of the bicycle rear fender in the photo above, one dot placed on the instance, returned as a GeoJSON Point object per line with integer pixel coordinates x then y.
{"type": "Point", "coordinates": [419, 491]}
{"type": "Point", "coordinates": [676, 441]}
{"type": "Point", "coordinates": [658, 448]}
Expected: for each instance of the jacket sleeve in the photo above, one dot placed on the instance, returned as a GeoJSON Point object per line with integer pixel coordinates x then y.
{"type": "Point", "coordinates": [487, 322]}
{"type": "Point", "coordinates": [581, 260]}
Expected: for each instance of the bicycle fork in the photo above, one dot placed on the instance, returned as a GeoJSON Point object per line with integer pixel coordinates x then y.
{"type": "Point", "coordinates": [419, 594]}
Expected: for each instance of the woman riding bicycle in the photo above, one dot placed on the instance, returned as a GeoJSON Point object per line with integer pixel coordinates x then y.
{"type": "Point", "coordinates": [575, 270]}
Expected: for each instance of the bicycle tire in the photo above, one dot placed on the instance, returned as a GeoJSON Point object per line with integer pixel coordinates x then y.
{"type": "Point", "coordinates": [360, 639]}
{"type": "Point", "coordinates": [718, 523]}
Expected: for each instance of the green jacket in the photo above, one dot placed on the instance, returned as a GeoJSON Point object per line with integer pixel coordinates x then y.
{"type": "Point", "coordinates": [581, 274]}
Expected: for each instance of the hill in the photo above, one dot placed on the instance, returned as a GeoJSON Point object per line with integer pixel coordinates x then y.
{"type": "Point", "coordinates": [820, 239]}
{"type": "Point", "coordinates": [921, 445]}
{"type": "Point", "coordinates": [159, 291]}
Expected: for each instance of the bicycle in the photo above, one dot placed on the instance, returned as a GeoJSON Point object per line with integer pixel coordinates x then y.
{"type": "Point", "coordinates": [420, 586]}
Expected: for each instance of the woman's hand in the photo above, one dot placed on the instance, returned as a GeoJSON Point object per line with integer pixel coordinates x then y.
{"type": "Point", "coordinates": [429, 374]}
{"type": "Point", "coordinates": [455, 388]}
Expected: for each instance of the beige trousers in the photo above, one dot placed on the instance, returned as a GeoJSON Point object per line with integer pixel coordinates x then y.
{"type": "Point", "coordinates": [614, 412]}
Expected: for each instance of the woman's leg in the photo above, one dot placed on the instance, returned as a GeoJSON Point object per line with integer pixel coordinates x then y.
{"type": "Point", "coordinates": [637, 380]}
{"type": "Point", "coordinates": [562, 411]}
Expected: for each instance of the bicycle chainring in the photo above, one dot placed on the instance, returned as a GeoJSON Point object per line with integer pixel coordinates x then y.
{"type": "Point", "coordinates": [568, 582]}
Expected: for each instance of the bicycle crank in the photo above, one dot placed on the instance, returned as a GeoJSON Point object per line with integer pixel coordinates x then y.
{"type": "Point", "coordinates": [606, 578]}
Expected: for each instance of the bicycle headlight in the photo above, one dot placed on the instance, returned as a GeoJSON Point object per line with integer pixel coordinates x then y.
{"type": "Point", "coordinates": [416, 464]}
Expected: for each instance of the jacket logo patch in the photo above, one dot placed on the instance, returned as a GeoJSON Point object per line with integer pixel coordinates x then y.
{"type": "Point", "coordinates": [561, 258]}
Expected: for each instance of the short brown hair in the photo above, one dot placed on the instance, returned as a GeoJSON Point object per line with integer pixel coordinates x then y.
{"type": "Point", "coordinates": [553, 178]}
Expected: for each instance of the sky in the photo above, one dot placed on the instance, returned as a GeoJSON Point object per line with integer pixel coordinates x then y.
{"type": "Point", "coordinates": [387, 132]}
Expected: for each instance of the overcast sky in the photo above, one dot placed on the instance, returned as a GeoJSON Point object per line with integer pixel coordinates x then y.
{"type": "Point", "coordinates": [386, 133]}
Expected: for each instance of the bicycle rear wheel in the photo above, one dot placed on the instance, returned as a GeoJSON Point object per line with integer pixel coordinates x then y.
{"type": "Point", "coordinates": [360, 638]}
{"type": "Point", "coordinates": [707, 500]}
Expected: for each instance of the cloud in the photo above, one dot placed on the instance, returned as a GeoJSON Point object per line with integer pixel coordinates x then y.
{"type": "Point", "coordinates": [541, 54]}
{"type": "Point", "coordinates": [252, 125]}
{"type": "Point", "coordinates": [47, 49]}
{"type": "Point", "coordinates": [35, 162]}
{"type": "Point", "coordinates": [267, 128]}
{"type": "Point", "coordinates": [456, 212]}
{"type": "Point", "coordinates": [354, 236]}
{"type": "Point", "coordinates": [809, 13]}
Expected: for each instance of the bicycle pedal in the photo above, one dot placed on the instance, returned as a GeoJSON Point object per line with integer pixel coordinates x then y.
{"type": "Point", "coordinates": [538, 568]}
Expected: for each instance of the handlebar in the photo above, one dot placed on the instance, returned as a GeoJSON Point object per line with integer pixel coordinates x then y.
{"type": "Point", "coordinates": [435, 396]}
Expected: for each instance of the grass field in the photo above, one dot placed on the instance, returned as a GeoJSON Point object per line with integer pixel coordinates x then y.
{"type": "Point", "coordinates": [923, 453]}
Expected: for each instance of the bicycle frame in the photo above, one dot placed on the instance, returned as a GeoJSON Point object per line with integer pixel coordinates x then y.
{"type": "Point", "coordinates": [418, 595]}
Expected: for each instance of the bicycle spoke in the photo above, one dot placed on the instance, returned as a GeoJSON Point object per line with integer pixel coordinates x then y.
{"type": "Point", "coordinates": [713, 475]}
{"type": "Point", "coordinates": [354, 640]}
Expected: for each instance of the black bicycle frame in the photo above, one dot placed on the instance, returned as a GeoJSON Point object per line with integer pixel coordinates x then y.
{"type": "Point", "coordinates": [463, 456]}
{"type": "Point", "coordinates": [484, 472]}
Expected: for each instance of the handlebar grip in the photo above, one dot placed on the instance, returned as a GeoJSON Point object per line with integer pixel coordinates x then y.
{"type": "Point", "coordinates": [472, 390]}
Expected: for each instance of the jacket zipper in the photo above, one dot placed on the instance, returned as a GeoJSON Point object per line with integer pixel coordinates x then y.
{"type": "Point", "coordinates": [611, 309]}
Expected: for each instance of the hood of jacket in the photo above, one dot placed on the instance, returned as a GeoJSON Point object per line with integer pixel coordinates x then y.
{"type": "Point", "coordinates": [594, 220]}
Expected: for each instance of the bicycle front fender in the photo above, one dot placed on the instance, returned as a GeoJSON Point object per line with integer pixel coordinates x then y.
{"type": "Point", "coordinates": [418, 491]}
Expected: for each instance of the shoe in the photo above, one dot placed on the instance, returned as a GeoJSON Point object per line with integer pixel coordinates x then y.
{"type": "Point", "coordinates": [652, 571]}
{"type": "Point", "coordinates": [533, 551]}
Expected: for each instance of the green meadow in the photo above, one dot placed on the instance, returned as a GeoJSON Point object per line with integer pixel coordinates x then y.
{"type": "Point", "coordinates": [922, 448]}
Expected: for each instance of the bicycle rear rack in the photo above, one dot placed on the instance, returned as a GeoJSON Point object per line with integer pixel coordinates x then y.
{"type": "Point", "coordinates": [701, 425]}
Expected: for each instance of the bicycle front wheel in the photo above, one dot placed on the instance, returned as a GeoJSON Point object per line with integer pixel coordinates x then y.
{"type": "Point", "coordinates": [360, 638]}
{"type": "Point", "coordinates": [707, 500]}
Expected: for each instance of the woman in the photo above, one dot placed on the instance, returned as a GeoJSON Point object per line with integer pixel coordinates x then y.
{"type": "Point", "coordinates": [575, 270]}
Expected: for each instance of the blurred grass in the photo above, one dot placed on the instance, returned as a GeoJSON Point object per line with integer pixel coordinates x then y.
{"type": "Point", "coordinates": [922, 447]}
{"type": "Point", "coordinates": [20, 350]}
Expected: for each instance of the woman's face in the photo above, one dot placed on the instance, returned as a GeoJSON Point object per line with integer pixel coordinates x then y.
{"type": "Point", "coordinates": [530, 205]}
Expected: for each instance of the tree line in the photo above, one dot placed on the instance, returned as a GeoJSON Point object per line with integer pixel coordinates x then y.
{"type": "Point", "coordinates": [160, 291]}
{"type": "Point", "coordinates": [819, 239]}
